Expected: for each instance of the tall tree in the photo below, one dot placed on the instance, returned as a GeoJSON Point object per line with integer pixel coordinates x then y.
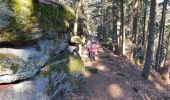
{"type": "Point", "coordinates": [165, 71]}
{"type": "Point", "coordinates": [135, 21]}
{"type": "Point", "coordinates": [78, 5]}
{"type": "Point", "coordinates": [149, 52]}
{"type": "Point", "coordinates": [144, 35]}
{"type": "Point", "coordinates": [114, 31]}
{"type": "Point", "coordinates": [166, 68]}
{"type": "Point", "coordinates": [135, 25]}
{"type": "Point", "coordinates": [161, 36]}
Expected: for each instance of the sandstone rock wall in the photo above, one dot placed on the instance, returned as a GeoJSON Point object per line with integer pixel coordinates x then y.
{"type": "Point", "coordinates": [31, 64]}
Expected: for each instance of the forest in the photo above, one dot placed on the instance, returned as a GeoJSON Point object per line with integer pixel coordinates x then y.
{"type": "Point", "coordinates": [85, 49]}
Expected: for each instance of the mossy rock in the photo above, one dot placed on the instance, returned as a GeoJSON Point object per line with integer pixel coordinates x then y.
{"type": "Point", "coordinates": [7, 56]}
{"type": "Point", "coordinates": [10, 38]}
{"type": "Point", "coordinates": [75, 65]}
{"type": "Point", "coordinates": [54, 18]}
{"type": "Point", "coordinates": [22, 25]}
{"type": "Point", "coordinates": [10, 68]}
{"type": "Point", "coordinates": [72, 65]}
{"type": "Point", "coordinates": [31, 20]}
{"type": "Point", "coordinates": [76, 39]}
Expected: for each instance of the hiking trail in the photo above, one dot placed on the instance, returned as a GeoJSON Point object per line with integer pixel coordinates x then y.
{"type": "Point", "coordinates": [118, 79]}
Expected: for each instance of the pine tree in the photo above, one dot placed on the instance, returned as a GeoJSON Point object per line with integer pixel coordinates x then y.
{"type": "Point", "coordinates": [149, 52]}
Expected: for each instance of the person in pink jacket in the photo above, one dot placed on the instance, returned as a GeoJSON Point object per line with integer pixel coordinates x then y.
{"type": "Point", "coordinates": [92, 50]}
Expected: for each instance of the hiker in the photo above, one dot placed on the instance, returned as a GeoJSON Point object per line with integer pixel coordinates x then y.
{"type": "Point", "coordinates": [92, 50]}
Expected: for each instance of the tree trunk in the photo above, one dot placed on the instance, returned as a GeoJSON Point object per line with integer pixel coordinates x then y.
{"type": "Point", "coordinates": [135, 20]}
{"type": "Point", "coordinates": [144, 22]}
{"type": "Point", "coordinates": [166, 68]}
{"type": "Point", "coordinates": [114, 21]}
{"type": "Point", "coordinates": [117, 26]}
{"type": "Point", "coordinates": [134, 32]}
{"type": "Point", "coordinates": [149, 52]}
{"type": "Point", "coordinates": [122, 28]}
{"type": "Point", "coordinates": [144, 40]}
{"type": "Point", "coordinates": [161, 37]}
{"type": "Point", "coordinates": [78, 4]}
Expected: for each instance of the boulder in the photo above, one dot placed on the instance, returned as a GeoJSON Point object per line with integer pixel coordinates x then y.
{"type": "Point", "coordinates": [25, 62]}
{"type": "Point", "coordinates": [40, 87]}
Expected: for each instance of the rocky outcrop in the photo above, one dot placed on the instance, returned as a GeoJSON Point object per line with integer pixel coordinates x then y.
{"type": "Point", "coordinates": [50, 83]}
{"type": "Point", "coordinates": [34, 61]}
{"type": "Point", "coordinates": [31, 21]}
{"type": "Point", "coordinates": [42, 88]}
{"type": "Point", "coordinates": [22, 63]}
{"type": "Point", "coordinates": [26, 45]}
{"type": "Point", "coordinates": [16, 24]}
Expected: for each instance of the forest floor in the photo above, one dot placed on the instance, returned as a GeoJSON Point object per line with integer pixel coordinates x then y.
{"type": "Point", "coordinates": [118, 79]}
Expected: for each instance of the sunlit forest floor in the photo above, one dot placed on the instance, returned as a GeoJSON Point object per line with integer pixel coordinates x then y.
{"type": "Point", "coordinates": [116, 78]}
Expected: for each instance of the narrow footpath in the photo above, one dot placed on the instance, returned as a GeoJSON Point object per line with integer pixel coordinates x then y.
{"type": "Point", "coordinates": [118, 79]}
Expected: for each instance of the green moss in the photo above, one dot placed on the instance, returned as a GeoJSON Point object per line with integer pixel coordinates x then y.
{"type": "Point", "coordinates": [21, 22]}
{"type": "Point", "coordinates": [74, 65]}
{"type": "Point", "coordinates": [28, 13]}
{"type": "Point", "coordinates": [76, 39]}
{"type": "Point", "coordinates": [22, 13]}
{"type": "Point", "coordinates": [73, 68]}
{"type": "Point", "coordinates": [14, 67]}
{"type": "Point", "coordinates": [7, 56]}
{"type": "Point", "coordinates": [9, 37]}
{"type": "Point", "coordinates": [2, 69]}
{"type": "Point", "coordinates": [22, 8]}
{"type": "Point", "coordinates": [52, 18]}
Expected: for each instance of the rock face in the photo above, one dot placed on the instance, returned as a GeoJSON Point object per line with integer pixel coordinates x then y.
{"type": "Point", "coordinates": [22, 63]}
{"type": "Point", "coordinates": [16, 23]}
{"type": "Point", "coordinates": [25, 21]}
{"type": "Point", "coordinates": [42, 88]}
{"type": "Point", "coordinates": [28, 37]}
{"type": "Point", "coordinates": [50, 83]}
{"type": "Point", "coordinates": [30, 50]}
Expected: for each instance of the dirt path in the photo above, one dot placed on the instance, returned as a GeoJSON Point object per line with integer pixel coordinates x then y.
{"type": "Point", "coordinates": [118, 79]}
